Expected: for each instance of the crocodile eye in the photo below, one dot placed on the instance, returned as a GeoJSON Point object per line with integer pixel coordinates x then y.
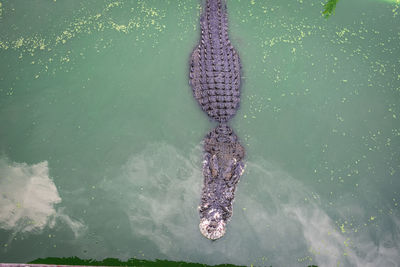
{"type": "Point", "coordinates": [214, 166]}
{"type": "Point", "coordinates": [228, 172]}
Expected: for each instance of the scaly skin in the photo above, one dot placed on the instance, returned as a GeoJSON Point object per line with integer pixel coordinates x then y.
{"type": "Point", "coordinates": [215, 81]}
{"type": "Point", "coordinates": [215, 65]}
{"type": "Point", "coordinates": [222, 168]}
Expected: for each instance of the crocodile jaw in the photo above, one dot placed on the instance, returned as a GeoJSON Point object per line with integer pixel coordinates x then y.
{"type": "Point", "coordinates": [212, 229]}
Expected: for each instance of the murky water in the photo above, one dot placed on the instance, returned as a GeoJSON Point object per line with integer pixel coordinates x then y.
{"type": "Point", "coordinates": [100, 137]}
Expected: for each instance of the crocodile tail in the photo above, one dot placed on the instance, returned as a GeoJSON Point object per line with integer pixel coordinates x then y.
{"type": "Point", "coordinates": [215, 65]}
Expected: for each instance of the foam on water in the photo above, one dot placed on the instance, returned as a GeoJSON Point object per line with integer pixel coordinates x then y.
{"type": "Point", "coordinates": [28, 199]}
{"type": "Point", "coordinates": [161, 189]}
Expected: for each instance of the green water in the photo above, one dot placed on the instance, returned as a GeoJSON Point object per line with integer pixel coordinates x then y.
{"type": "Point", "coordinates": [100, 137]}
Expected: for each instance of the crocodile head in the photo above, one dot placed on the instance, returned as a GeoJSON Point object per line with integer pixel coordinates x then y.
{"type": "Point", "coordinates": [222, 169]}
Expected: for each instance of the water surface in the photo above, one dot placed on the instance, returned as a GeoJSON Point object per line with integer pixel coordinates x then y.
{"type": "Point", "coordinates": [100, 137]}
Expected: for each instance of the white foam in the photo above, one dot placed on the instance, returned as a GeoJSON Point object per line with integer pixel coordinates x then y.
{"type": "Point", "coordinates": [163, 194]}
{"type": "Point", "coordinates": [28, 197]}
{"type": "Point", "coordinates": [272, 223]}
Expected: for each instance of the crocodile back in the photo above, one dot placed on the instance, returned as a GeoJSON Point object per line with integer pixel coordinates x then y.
{"type": "Point", "coordinates": [215, 65]}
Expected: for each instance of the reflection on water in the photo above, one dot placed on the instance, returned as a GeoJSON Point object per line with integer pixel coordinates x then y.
{"type": "Point", "coordinates": [158, 190]}
{"type": "Point", "coordinates": [28, 198]}
{"type": "Point", "coordinates": [283, 220]}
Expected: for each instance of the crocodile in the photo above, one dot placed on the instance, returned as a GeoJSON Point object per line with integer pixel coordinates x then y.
{"type": "Point", "coordinates": [214, 77]}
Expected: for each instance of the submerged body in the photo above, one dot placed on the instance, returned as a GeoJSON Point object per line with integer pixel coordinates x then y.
{"type": "Point", "coordinates": [215, 81]}
{"type": "Point", "coordinates": [222, 168]}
